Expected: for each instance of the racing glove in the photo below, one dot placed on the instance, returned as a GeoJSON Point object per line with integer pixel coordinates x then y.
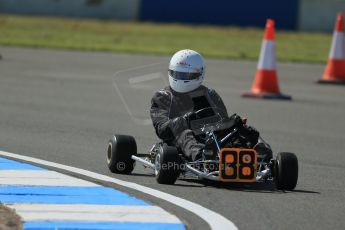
{"type": "Point", "coordinates": [189, 116]}
{"type": "Point", "coordinates": [178, 125]}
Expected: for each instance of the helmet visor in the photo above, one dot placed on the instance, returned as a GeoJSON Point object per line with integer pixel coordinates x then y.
{"type": "Point", "coordinates": [184, 75]}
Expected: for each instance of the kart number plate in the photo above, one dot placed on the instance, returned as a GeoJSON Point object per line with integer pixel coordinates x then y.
{"type": "Point", "coordinates": [237, 165]}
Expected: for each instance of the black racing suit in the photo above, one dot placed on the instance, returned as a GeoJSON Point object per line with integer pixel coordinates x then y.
{"type": "Point", "coordinates": [167, 110]}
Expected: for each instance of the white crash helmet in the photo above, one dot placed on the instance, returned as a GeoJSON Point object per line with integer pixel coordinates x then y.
{"type": "Point", "coordinates": [186, 71]}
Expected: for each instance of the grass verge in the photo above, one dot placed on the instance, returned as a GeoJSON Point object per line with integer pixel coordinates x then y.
{"type": "Point", "coordinates": [149, 38]}
{"type": "Point", "coordinates": [9, 219]}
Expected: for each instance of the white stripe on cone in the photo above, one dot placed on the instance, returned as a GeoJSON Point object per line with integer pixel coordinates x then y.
{"type": "Point", "coordinates": [338, 48]}
{"type": "Point", "coordinates": [267, 59]}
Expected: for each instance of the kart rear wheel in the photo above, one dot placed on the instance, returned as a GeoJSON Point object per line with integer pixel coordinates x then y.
{"type": "Point", "coordinates": [167, 165]}
{"type": "Point", "coordinates": [120, 150]}
{"type": "Point", "coordinates": [286, 171]}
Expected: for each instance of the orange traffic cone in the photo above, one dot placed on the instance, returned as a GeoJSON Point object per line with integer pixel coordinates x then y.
{"type": "Point", "coordinates": [266, 82]}
{"type": "Point", "coordinates": [335, 69]}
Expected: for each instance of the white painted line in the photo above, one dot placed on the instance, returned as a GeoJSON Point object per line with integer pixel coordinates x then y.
{"type": "Point", "coordinates": [40, 178]}
{"type": "Point", "coordinates": [111, 213]}
{"type": "Point", "coordinates": [143, 78]}
{"type": "Point", "coordinates": [215, 220]}
{"type": "Point", "coordinates": [136, 120]}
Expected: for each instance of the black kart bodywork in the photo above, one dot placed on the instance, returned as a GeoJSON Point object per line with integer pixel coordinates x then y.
{"type": "Point", "coordinates": [234, 154]}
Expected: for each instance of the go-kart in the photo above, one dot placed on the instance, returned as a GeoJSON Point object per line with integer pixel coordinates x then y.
{"type": "Point", "coordinates": [231, 157]}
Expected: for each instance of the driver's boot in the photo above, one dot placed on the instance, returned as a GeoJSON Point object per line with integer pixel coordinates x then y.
{"type": "Point", "coordinates": [191, 148]}
{"type": "Point", "coordinates": [197, 152]}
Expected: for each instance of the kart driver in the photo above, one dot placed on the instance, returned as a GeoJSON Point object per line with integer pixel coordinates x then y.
{"type": "Point", "coordinates": [172, 106]}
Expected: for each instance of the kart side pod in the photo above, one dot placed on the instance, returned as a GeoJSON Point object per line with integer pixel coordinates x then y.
{"type": "Point", "coordinates": [237, 165]}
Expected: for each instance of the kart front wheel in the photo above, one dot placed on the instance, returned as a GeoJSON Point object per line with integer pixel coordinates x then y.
{"type": "Point", "coordinates": [167, 165]}
{"type": "Point", "coordinates": [119, 153]}
{"type": "Point", "coordinates": [286, 171]}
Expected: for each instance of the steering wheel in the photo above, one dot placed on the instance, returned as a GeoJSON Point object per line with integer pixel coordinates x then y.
{"type": "Point", "coordinates": [203, 113]}
{"type": "Point", "coordinates": [198, 114]}
{"type": "Point", "coordinates": [208, 110]}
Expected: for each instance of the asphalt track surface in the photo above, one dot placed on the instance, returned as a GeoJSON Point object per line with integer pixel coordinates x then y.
{"type": "Point", "coordinates": [62, 106]}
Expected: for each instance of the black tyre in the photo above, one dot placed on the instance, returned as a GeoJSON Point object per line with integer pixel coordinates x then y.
{"type": "Point", "coordinates": [167, 165]}
{"type": "Point", "coordinates": [286, 171]}
{"type": "Point", "coordinates": [120, 150]}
